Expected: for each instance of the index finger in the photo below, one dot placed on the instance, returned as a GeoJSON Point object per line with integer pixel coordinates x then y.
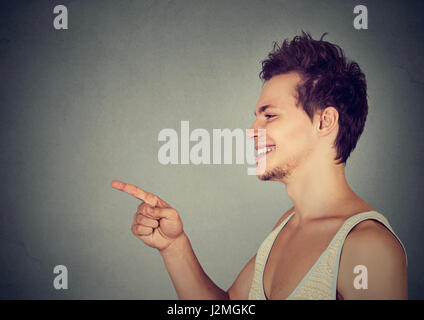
{"type": "Point", "coordinates": [135, 192]}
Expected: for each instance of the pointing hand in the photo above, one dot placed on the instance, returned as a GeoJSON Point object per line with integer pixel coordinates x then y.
{"type": "Point", "coordinates": [155, 222]}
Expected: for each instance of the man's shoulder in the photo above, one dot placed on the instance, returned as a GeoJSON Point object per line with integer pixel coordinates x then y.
{"type": "Point", "coordinates": [373, 245]}
{"type": "Point", "coordinates": [370, 235]}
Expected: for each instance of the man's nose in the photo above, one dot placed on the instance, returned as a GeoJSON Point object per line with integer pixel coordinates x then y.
{"type": "Point", "coordinates": [251, 133]}
{"type": "Point", "coordinates": [253, 130]}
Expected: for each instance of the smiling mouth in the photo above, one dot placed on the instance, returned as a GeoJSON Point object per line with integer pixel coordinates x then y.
{"type": "Point", "coordinates": [264, 151]}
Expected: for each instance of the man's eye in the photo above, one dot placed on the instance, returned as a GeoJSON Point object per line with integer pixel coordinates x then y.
{"type": "Point", "coordinates": [269, 116]}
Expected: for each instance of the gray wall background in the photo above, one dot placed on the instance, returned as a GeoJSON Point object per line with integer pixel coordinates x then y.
{"type": "Point", "coordinates": [84, 106]}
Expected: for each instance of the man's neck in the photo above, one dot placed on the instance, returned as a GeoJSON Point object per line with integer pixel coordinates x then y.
{"type": "Point", "coordinates": [321, 191]}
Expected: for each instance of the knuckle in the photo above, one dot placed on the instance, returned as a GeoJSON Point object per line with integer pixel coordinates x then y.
{"type": "Point", "coordinates": [149, 211]}
{"type": "Point", "coordinates": [139, 219]}
{"type": "Point", "coordinates": [144, 221]}
{"type": "Point", "coordinates": [150, 197]}
{"type": "Point", "coordinates": [173, 212]}
{"type": "Point", "coordinates": [144, 207]}
{"type": "Point", "coordinates": [131, 189]}
{"type": "Point", "coordinates": [142, 230]}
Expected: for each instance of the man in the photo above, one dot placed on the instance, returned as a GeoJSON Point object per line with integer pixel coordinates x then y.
{"type": "Point", "coordinates": [313, 106]}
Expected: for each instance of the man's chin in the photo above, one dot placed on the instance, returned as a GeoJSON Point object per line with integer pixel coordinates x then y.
{"type": "Point", "coordinates": [272, 175]}
{"type": "Point", "coordinates": [263, 177]}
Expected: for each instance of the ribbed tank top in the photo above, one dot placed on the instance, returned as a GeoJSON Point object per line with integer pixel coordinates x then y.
{"type": "Point", "coordinates": [320, 283]}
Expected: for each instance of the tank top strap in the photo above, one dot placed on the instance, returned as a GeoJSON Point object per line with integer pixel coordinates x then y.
{"type": "Point", "coordinates": [321, 280]}
{"type": "Point", "coordinates": [256, 292]}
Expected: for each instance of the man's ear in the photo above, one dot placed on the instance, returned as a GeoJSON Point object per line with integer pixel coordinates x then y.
{"type": "Point", "coordinates": [327, 120]}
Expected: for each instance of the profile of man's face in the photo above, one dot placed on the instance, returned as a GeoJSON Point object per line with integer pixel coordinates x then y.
{"type": "Point", "coordinates": [288, 128]}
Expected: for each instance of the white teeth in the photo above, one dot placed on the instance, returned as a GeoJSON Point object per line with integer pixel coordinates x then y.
{"type": "Point", "coordinates": [265, 150]}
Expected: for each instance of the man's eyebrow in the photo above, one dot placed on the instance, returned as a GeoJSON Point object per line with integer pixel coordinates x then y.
{"type": "Point", "coordinates": [263, 108]}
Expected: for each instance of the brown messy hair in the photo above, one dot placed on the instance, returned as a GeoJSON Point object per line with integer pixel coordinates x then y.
{"type": "Point", "coordinates": [328, 79]}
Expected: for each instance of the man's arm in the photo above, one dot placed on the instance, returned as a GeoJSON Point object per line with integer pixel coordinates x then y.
{"type": "Point", "coordinates": [191, 282]}
{"type": "Point", "coordinates": [187, 275]}
{"type": "Point", "coordinates": [372, 245]}
{"type": "Point", "coordinates": [159, 226]}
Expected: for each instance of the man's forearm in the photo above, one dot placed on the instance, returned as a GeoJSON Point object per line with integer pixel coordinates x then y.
{"type": "Point", "coordinates": [187, 275]}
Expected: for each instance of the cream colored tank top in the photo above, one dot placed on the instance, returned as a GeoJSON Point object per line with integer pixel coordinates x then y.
{"type": "Point", "coordinates": [320, 283]}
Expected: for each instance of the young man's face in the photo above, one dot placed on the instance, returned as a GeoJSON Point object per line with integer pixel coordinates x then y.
{"type": "Point", "coordinates": [288, 128]}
